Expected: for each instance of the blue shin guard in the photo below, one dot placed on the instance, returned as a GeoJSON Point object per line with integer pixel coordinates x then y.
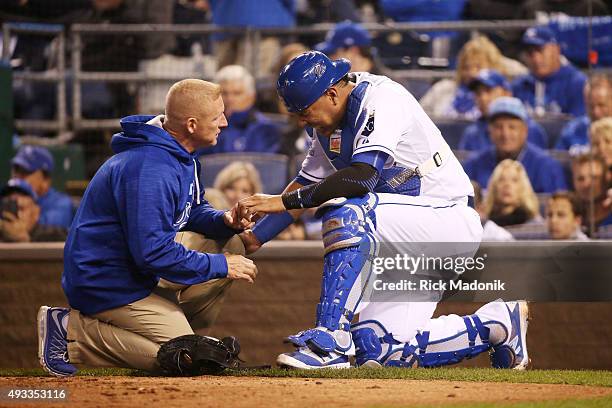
{"type": "Point", "coordinates": [348, 225]}
{"type": "Point", "coordinates": [375, 346]}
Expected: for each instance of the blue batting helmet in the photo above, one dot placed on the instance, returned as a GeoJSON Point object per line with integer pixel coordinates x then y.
{"type": "Point", "coordinates": [307, 77]}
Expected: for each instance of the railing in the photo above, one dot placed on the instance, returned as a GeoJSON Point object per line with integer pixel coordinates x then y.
{"type": "Point", "coordinates": [56, 75]}
{"type": "Point", "coordinates": [60, 75]}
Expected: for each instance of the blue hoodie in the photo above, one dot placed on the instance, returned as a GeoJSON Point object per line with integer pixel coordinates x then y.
{"type": "Point", "coordinates": [121, 241]}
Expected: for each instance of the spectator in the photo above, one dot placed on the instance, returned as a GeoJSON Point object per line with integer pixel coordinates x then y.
{"type": "Point", "coordinates": [564, 213]}
{"type": "Point", "coordinates": [553, 84]}
{"type": "Point", "coordinates": [589, 176]}
{"type": "Point", "coordinates": [34, 164]}
{"type": "Point", "coordinates": [19, 221]}
{"type": "Point", "coordinates": [508, 129]}
{"type": "Point", "coordinates": [351, 41]}
{"type": "Point", "coordinates": [452, 98]}
{"type": "Point", "coordinates": [490, 230]}
{"type": "Point", "coordinates": [601, 139]}
{"type": "Point", "coordinates": [238, 180]}
{"type": "Point", "coordinates": [510, 198]}
{"type": "Point", "coordinates": [487, 87]}
{"type": "Point", "coordinates": [598, 97]}
{"type": "Point", "coordinates": [254, 14]}
{"type": "Point", "coordinates": [248, 129]}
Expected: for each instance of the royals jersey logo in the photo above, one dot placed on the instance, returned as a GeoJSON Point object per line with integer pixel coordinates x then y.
{"type": "Point", "coordinates": [335, 142]}
{"type": "Point", "coordinates": [369, 126]}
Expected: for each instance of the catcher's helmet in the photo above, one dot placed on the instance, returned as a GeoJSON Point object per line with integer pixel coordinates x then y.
{"type": "Point", "coordinates": [307, 77]}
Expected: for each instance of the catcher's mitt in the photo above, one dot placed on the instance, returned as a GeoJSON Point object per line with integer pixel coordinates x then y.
{"type": "Point", "coordinates": [197, 355]}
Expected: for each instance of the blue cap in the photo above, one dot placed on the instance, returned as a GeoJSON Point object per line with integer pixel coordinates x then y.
{"type": "Point", "coordinates": [306, 77]}
{"type": "Point", "coordinates": [489, 78]}
{"type": "Point", "coordinates": [33, 158]}
{"type": "Point", "coordinates": [344, 35]}
{"type": "Point", "coordinates": [507, 105]}
{"type": "Point", "coordinates": [19, 185]}
{"type": "Point", "coordinates": [539, 36]}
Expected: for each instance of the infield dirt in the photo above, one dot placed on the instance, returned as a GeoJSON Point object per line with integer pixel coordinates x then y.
{"type": "Point", "coordinates": [228, 391]}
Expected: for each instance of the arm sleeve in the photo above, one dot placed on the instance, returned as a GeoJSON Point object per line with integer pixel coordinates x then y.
{"type": "Point", "coordinates": [353, 181]}
{"type": "Point", "coordinates": [147, 198]}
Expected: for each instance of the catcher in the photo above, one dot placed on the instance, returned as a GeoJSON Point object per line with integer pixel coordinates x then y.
{"type": "Point", "coordinates": [123, 243]}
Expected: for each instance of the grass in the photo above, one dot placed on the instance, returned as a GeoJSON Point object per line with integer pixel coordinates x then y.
{"type": "Point", "coordinates": [575, 377]}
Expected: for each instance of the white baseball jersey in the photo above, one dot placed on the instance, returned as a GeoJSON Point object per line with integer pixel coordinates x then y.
{"type": "Point", "coordinates": [383, 116]}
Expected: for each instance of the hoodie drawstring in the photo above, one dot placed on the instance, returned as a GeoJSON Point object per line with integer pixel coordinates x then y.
{"type": "Point", "coordinates": [197, 181]}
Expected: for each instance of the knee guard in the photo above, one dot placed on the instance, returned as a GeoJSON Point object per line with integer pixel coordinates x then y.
{"type": "Point", "coordinates": [376, 346]}
{"type": "Point", "coordinates": [348, 226]}
{"type": "Point", "coordinates": [198, 355]}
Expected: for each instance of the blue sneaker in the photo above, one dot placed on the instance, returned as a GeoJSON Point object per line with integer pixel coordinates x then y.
{"type": "Point", "coordinates": [318, 348]}
{"type": "Point", "coordinates": [306, 359]}
{"type": "Point", "coordinates": [512, 353]}
{"type": "Point", "coordinates": [52, 342]}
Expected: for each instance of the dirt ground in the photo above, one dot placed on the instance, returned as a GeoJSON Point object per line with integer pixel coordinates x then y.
{"type": "Point", "coordinates": [287, 392]}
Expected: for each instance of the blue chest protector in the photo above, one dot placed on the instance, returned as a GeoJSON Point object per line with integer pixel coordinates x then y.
{"type": "Point", "coordinates": [339, 150]}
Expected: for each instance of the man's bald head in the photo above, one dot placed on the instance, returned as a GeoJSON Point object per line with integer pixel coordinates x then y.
{"type": "Point", "coordinates": [190, 98]}
{"type": "Point", "coordinates": [194, 113]}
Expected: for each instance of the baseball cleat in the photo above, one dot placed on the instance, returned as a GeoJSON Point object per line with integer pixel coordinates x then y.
{"type": "Point", "coordinates": [306, 359]}
{"type": "Point", "coordinates": [512, 353]}
{"type": "Point", "coordinates": [52, 341]}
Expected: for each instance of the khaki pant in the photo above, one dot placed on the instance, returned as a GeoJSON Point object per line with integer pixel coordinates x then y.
{"type": "Point", "coordinates": [130, 336]}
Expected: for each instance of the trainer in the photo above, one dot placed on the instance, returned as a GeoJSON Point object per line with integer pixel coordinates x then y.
{"type": "Point", "coordinates": [122, 245]}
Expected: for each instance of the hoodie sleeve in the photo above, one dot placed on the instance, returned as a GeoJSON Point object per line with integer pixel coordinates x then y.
{"type": "Point", "coordinates": [208, 221]}
{"type": "Point", "coordinates": [147, 202]}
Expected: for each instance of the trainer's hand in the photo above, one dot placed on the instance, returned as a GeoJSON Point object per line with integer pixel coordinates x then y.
{"type": "Point", "coordinates": [240, 268]}
{"type": "Point", "coordinates": [250, 241]}
{"type": "Point", "coordinates": [233, 219]}
{"type": "Point", "coordinates": [261, 203]}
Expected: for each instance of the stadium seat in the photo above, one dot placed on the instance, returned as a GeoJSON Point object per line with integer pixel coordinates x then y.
{"type": "Point", "coordinates": [417, 87]}
{"type": "Point", "coordinates": [552, 126]}
{"type": "Point", "coordinates": [529, 231]}
{"type": "Point", "coordinates": [452, 129]}
{"type": "Point", "coordinates": [272, 168]}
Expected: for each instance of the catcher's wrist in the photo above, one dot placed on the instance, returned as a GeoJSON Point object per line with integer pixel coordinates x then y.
{"type": "Point", "coordinates": [292, 200]}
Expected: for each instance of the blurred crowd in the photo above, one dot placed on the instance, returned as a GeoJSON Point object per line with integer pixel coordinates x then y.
{"type": "Point", "coordinates": [533, 132]}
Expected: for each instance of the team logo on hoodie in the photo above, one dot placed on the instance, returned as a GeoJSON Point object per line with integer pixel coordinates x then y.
{"type": "Point", "coordinates": [182, 220]}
